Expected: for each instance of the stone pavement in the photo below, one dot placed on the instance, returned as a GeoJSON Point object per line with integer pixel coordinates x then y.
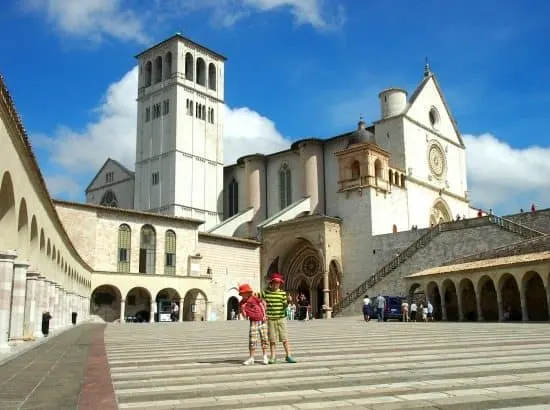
{"type": "Point", "coordinates": [342, 363]}
{"type": "Point", "coordinates": [50, 375]}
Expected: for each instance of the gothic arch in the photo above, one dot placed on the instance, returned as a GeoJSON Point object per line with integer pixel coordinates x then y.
{"type": "Point", "coordinates": [7, 212]}
{"type": "Point", "coordinates": [440, 212]}
{"type": "Point", "coordinates": [304, 262]}
{"type": "Point", "coordinates": [109, 199]}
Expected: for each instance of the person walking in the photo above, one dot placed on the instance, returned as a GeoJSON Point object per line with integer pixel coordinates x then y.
{"type": "Point", "coordinates": [381, 305]}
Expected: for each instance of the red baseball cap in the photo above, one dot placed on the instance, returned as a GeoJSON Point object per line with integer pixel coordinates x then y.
{"type": "Point", "coordinates": [277, 277]}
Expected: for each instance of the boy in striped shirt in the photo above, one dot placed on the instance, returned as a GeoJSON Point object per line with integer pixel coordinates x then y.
{"type": "Point", "coordinates": [276, 300]}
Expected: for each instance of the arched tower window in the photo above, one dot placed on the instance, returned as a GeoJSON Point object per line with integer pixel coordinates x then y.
{"type": "Point", "coordinates": [390, 174]}
{"type": "Point", "coordinates": [109, 199]}
{"type": "Point", "coordinates": [158, 69]}
{"type": "Point", "coordinates": [170, 250]}
{"type": "Point", "coordinates": [402, 180]}
{"type": "Point", "coordinates": [355, 170]}
{"type": "Point", "coordinates": [285, 193]}
{"type": "Point", "coordinates": [189, 67]}
{"type": "Point", "coordinates": [124, 246]}
{"type": "Point", "coordinates": [148, 73]}
{"type": "Point", "coordinates": [167, 65]}
{"type": "Point", "coordinates": [233, 197]}
{"type": "Point", "coordinates": [212, 76]}
{"type": "Point", "coordinates": [147, 249]}
{"type": "Point", "coordinates": [378, 169]}
{"type": "Point", "coordinates": [201, 72]}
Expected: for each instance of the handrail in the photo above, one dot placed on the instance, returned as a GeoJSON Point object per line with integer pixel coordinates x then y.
{"type": "Point", "coordinates": [514, 227]}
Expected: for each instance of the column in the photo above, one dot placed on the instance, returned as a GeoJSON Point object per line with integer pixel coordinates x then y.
{"type": "Point", "coordinates": [500, 305]}
{"type": "Point", "coordinates": [480, 317]}
{"type": "Point", "coordinates": [41, 297]}
{"type": "Point", "coordinates": [30, 304]}
{"type": "Point", "coordinates": [208, 311]}
{"type": "Point", "coordinates": [326, 296]}
{"type": "Point", "coordinates": [153, 310]}
{"type": "Point", "coordinates": [51, 303]}
{"type": "Point", "coordinates": [19, 290]}
{"type": "Point", "coordinates": [7, 259]}
{"type": "Point", "coordinates": [443, 310]}
{"type": "Point", "coordinates": [122, 310]}
{"type": "Point", "coordinates": [548, 301]}
{"type": "Point", "coordinates": [459, 303]}
{"type": "Point", "coordinates": [523, 298]}
{"type": "Point", "coordinates": [180, 312]}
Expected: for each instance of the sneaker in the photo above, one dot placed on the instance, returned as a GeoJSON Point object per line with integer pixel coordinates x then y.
{"type": "Point", "coordinates": [290, 360]}
{"type": "Point", "coordinates": [272, 360]}
{"type": "Point", "coordinates": [249, 361]}
{"type": "Point", "coordinates": [265, 360]}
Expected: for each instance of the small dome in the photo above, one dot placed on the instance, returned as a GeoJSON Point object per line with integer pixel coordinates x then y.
{"type": "Point", "coordinates": [361, 135]}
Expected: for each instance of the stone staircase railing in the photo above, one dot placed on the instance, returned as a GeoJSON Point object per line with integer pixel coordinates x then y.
{"type": "Point", "coordinates": [421, 242]}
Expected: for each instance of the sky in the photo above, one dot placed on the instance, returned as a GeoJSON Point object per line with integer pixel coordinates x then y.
{"type": "Point", "coordinates": [295, 69]}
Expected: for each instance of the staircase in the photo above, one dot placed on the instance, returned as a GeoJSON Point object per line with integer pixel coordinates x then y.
{"type": "Point", "coordinates": [421, 242]}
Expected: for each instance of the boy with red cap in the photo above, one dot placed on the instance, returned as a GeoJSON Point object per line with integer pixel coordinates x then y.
{"type": "Point", "coordinates": [253, 308]}
{"type": "Point", "coordinates": [277, 300]}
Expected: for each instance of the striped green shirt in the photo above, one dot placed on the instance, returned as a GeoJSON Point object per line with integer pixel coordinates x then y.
{"type": "Point", "coordinates": [276, 301]}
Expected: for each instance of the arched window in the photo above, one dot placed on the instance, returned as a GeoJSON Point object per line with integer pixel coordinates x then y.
{"type": "Point", "coordinates": [201, 72]}
{"type": "Point", "coordinates": [285, 194]}
{"type": "Point", "coordinates": [147, 249]}
{"type": "Point", "coordinates": [167, 65]}
{"type": "Point", "coordinates": [212, 76]}
{"type": "Point", "coordinates": [189, 66]}
{"type": "Point", "coordinates": [355, 170]}
{"type": "Point", "coordinates": [109, 199]}
{"type": "Point", "coordinates": [390, 174]}
{"type": "Point", "coordinates": [233, 197]}
{"type": "Point", "coordinates": [148, 73]}
{"type": "Point", "coordinates": [124, 246]}
{"type": "Point", "coordinates": [402, 180]}
{"type": "Point", "coordinates": [203, 112]}
{"type": "Point", "coordinates": [170, 250]}
{"type": "Point", "coordinates": [158, 69]}
{"type": "Point", "coordinates": [378, 169]}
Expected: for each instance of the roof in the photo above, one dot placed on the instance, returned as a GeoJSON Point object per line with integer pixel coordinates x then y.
{"type": "Point", "coordinates": [179, 36]}
{"type": "Point", "coordinates": [419, 89]}
{"type": "Point", "coordinates": [41, 188]}
{"type": "Point", "coordinates": [495, 263]}
{"type": "Point", "coordinates": [127, 212]}
{"type": "Point", "coordinates": [118, 164]}
{"type": "Point", "coordinates": [244, 241]}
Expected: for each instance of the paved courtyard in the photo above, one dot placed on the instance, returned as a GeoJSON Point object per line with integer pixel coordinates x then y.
{"type": "Point", "coordinates": [343, 363]}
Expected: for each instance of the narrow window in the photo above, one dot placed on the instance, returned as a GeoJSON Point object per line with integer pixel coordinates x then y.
{"type": "Point", "coordinates": [124, 241]}
{"type": "Point", "coordinates": [170, 249]}
{"type": "Point", "coordinates": [155, 178]}
{"type": "Point", "coordinates": [148, 114]}
{"type": "Point", "coordinates": [147, 250]}
{"type": "Point", "coordinates": [233, 197]}
{"type": "Point", "coordinates": [285, 194]}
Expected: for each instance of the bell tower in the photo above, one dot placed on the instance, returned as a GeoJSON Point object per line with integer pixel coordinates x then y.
{"type": "Point", "coordinates": [179, 150]}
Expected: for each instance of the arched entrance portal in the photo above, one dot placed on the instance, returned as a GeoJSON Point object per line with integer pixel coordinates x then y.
{"type": "Point", "coordinates": [468, 297]}
{"type": "Point", "coordinates": [435, 298]}
{"type": "Point", "coordinates": [138, 305]}
{"type": "Point", "coordinates": [535, 297]}
{"type": "Point", "coordinates": [450, 300]}
{"type": "Point", "coordinates": [164, 300]}
{"type": "Point", "coordinates": [511, 301]}
{"type": "Point", "coordinates": [105, 303]}
{"type": "Point", "coordinates": [232, 308]}
{"type": "Point", "coordinates": [440, 213]}
{"type": "Point", "coordinates": [488, 299]}
{"type": "Point", "coordinates": [195, 306]}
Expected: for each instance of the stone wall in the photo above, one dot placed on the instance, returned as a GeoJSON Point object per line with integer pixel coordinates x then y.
{"type": "Point", "coordinates": [386, 247]}
{"type": "Point", "coordinates": [446, 246]}
{"type": "Point", "coordinates": [539, 221]}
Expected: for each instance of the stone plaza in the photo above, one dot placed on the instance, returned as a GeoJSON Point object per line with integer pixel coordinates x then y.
{"type": "Point", "coordinates": [342, 363]}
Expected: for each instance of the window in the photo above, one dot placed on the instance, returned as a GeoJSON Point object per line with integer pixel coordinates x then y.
{"type": "Point", "coordinates": [233, 197]}
{"type": "Point", "coordinates": [109, 177]}
{"type": "Point", "coordinates": [147, 249]}
{"type": "Point", "coordinates": [188, 66]}
{"type": "Point", "coordinates": [155, 177]}
{"type": "Point", "coordinates": [197, 110]}
{"type": "Point", "coordinates": [212, 76]}
{"type": "Point", "coordinates": [211, 115]}
{"type": "Point", "coordinates": [156, 110]}
{"type": "Point", "coordinates": [201, 72]}
{"type": "Point", "coordinates": [170, 249]}
{"type": "Point", "coordinates": [203, 112]}
{"type": "Point", "coordinates": [355, 170]}
{"type": "Point", "coordinates": [165, 107]}
{"type": "Point", "coordinates": [148, 114]}
{"type": "Point", "coordinates": [124, 242]}
{"type": "Point", "coordinates": [109, 199]}
{"type": "Point", "coordinates": [285, 196]}
{"type": "Point", "coordinates": [189, 107]}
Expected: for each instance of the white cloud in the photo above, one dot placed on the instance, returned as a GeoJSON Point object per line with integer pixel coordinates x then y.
{"type": "Point", "coordinates": [63, 185]}
{"type": "Point", "coordinates": [113, 134]}
{"type": "Point", "coordinates": [91, 19]}
{"type": "Point", "coordinates": [506, 178]}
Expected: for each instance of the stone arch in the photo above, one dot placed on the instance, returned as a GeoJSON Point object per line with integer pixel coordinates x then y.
{"type": "Point", "coordinates": [468, 298]}
{"type": "Point", "coordinates": [138, 304]}
{"type": "Point", "coordinates": [377, 168]}
{"type": "Point", "coordinates": [189, 66]}
{"type": "Point", "coordinates": [510, 296]}
{"type": "Point", "coordinates": [42, 240]}
{"type": "Point", "coordinates": [200, 71]}
{"type": "Point", "coordinates": [450, 300]}
{"type": "Point", "coordinates": [105, 302]}
{"type": "Point", "coordinates": [157, 71]}
{"type": "Point", "coordinates": [212, 76]}
{"type": "Point", "coordinates": [34, 231]}
{"type": "Point", "coordinates": [164, 299]}
{"type": "Point", "coordinates": [355, 169]}
{"type": "Point", "coordinates": [49, 249]}
{"type": "Point", "coordinates": [195, 305]}
{"type": "Point", "coordinates": [167, 65]}
{"type": "Point", "coordinates": [148, 73]}
{"type": "Point", "coordinates": [7, 212]}
{"type": "Point", "coordinates": [434, 296]}
{"type": "Point", "coordinates": [440, 212]}
{"type": "Point", "coordinates": [147, 249]}
{"type": "Point", "coordinates": [303, 261]}
{"type": "Point", "coordinates": [23, 229]}
{"type": "Point", "coordinates": [334, 282]}
{"type": "Point", "coordinates": [416, 294]}
{"type": "Point", "coordinates": [232, 306]}
{"type": "Point", "coordinates": [109, 199]}
{"type": "Point", "coordinates": [535, 296]}
{"type": "Point", "coordinates": [488, 301]}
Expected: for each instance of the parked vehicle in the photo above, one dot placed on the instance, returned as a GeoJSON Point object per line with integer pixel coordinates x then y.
{"type": "Point", "coordinates": [393, 307]}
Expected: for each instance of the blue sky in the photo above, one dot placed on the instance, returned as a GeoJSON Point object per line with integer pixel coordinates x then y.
{"type": "Point", "coordinates": [296, 68]}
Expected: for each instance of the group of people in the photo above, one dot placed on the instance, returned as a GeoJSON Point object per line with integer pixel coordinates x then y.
{"type": "Point", "coordinates": [267, 312]}
{"type": "Point", "coordinates": [426, 311]}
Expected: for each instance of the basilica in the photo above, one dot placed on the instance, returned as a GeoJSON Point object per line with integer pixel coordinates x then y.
{"type": "Point", "coordinates": [380, 208]}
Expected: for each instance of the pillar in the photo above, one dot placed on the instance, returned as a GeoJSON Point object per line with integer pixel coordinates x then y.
{"type": "Point", "coordinates": [500, 305]}
{"type": "Point", "coordinates": [153, 310]}
{"type": "Point", "coordinates": [523, 298]}
{"type": "Point", "coordinates": [326, 296]}
{"type": "Point", "coordinates": [40, 296]}
{"type": "Point", "coordinates": [19, 290]}
{"type": "Point", "coordinates": [459, 303]}
{"type": "Point", "coordinates": [122, 310]}
{"type": "Point", "coordinates": [7, 259]}
{"type": "Point", "coordinates": [51, 303]}
{"type": "Point", "coordinates": [180, 313]}
{"type": "Point", "coordinates": [208, 310]}
{"type": "Point", "coordinates": [254, 166]}
{"type": "Point", "coordinates": [480, 317]}
{"type": "Point", "coordinates": [31, 302]}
